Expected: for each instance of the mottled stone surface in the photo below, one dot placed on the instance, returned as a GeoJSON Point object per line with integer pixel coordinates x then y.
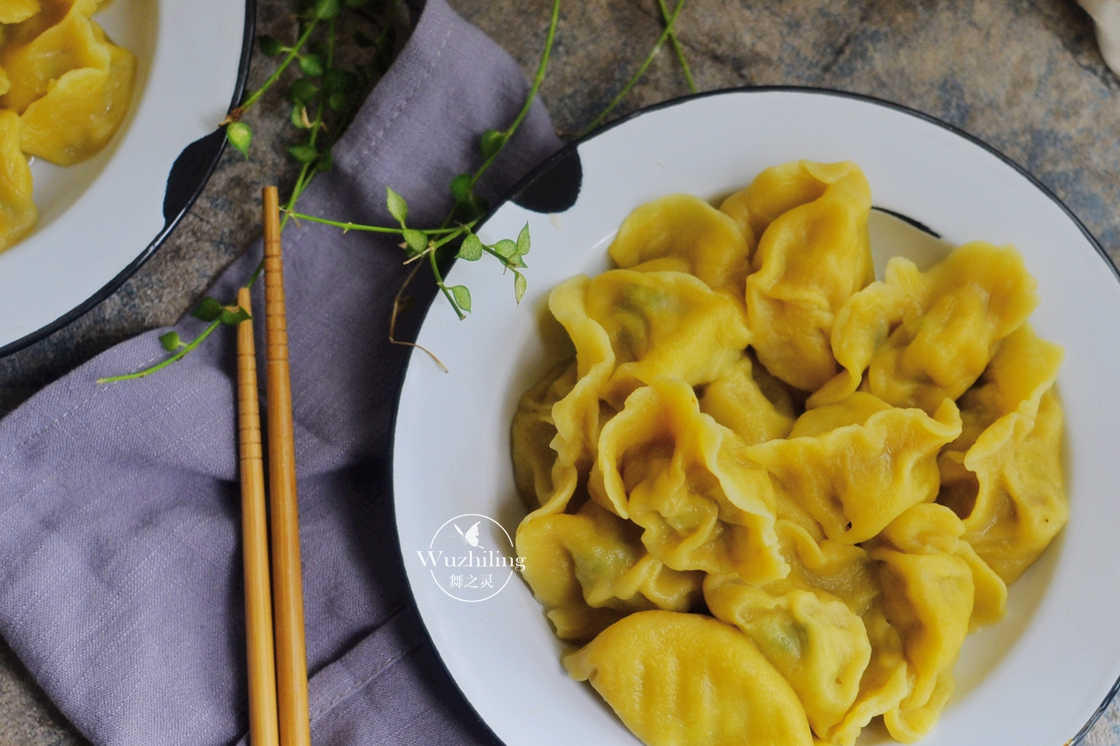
{"type": "Point", "coordinates": [1024, 76]}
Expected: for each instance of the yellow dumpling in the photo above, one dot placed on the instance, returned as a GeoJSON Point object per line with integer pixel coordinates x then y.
{"type": "Point", "coordinates": [685, 234]}
{"type": "Point", "coordinates": [689, 680]}
{"type": "Point", "coordinates": [684, 479]}
{"type": "Point", "coordinates": [815, 641]}
{"type": "Point", "coordinates": [826, 567]}
{"type": "Point", "coordinates": [17, 212]}
{"type": "Point", "coordinates": [664, 324]}
{"type": "Point", "coordinates": [779, 189]}
{"type": "Point", "coordinates": [928, 596]}
{"type": "Point", "coordinates": [750, 402]}
{"type": "Point", "coordinates": [924, 337]}
{"type": "Point", "coordinates": [532, 433]}
{"type": "Point", "coordinates": [14, 11]}
{"type": "Point", "coordinates": [884, 683]}
{"type": "Point", "coordinates": [856, 466]}
{"type": "Point", "coordinates": [70, 85]}
{"type": "Point", "coordinates": [81, 112]}
{"type": "Point", "coordinates": [1004, 476]}
{"type": "Point", "coordinates": [590, 569]}
{"type": "Point", "coordinates": [35, 54]}
{"type": "Point", "coordinates": [811, 258]}
{"type": "Point", "coordinates": [577, 416]}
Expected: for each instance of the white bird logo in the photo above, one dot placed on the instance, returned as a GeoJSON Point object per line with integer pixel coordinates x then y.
{"type": "Point", "coordinates": [471, 536]}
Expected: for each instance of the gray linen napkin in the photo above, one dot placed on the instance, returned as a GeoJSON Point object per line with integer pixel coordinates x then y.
{"type": "Point", "coordinates": [120, 569]}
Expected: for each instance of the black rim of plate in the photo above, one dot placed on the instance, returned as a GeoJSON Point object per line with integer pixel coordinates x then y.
{"type": "Point", "coordinates": [541, 171]}
{"type": "Point", "coordinates": [187, 186]}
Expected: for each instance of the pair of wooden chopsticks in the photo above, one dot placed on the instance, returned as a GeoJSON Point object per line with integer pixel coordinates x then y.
{"type": "Point", "coordinates": [278, 704]}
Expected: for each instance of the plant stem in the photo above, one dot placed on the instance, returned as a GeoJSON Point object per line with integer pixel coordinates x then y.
{"type": "Point", "coordinates": [163, 364]}
{"type": "Point", "coordinates": [442, 286]}
{"type": "Point", "coordinates": [292, 54]}
{"type": "Point", "coordinates": [537, 80]}
{"type": "Point", "coordinates": [362, 227]}
{"type": "Point", "coordinates": [641, 71]}
{"type": "Point", "coordinates": [677, 46]}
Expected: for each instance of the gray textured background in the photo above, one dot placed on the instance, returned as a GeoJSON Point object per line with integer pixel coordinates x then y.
{"type": "Point", "coordinates": [1023, 76]}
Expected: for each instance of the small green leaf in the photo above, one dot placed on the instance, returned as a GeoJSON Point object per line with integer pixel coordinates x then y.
{"type": "Point", "coordinates": [240, 136]}
{"type": "Point", "coordinates": [505, 248]}
{"type": "Point", "coordinates": [304, 153]}
{"type": "Point", "coordinates": [363, 40]}
{"type": "Point", "coordinates": [471, 248]}
{"type": "Point", "coordinates": [339, 81]}
{"type": "Point", "coordinates": [208, 310]}
{"type": "Point", "coordinates": [299, 117]}
{"type": "Point", "coordinates": [234, 316]}
{"type": "Point", "coordinates": [337, 101]}
{"type": "Point", "coordinates": [171, 341]}
{"type": "Point", "coordinates": [270, 45]}
{"type": "Point", "coordinates": [462, 297]}
{"type": "Point", "coordinates": [523, 241]}
{"type": "Point", "coordinates": [417, 240]}
{"type": "Point", "coordinates": [311, 65]}
{"type": "Point", "coordinates": [398, 208]}
{"type": "Point", "coordinates": [302, 91]}
{"type": "Point", "coordinates": [326, 10]}
{"type": "Point", "coordinates": [519, 286]}
{"type": "Point", "coordinates": [461, 188]}
{"type": "Point", "coordinates": [492, 142]}
{"type": "Point", "coordinates": [326, 162]}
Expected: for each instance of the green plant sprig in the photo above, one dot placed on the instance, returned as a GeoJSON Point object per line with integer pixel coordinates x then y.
{"type": "Point", "coordinates": [669, 24]}
{"type": "Point", "coordinates": [493, 141]}
{"type": "Point", "coordinates": [209, 310]}
{"type": "Point", "coordinates": [324, 12]}
{"type": "Point", "coordinates": [418, 243]}
{"type": "Point", "coordinates": [678, 50]}
{"type": "Point", "coordinates": [333, 95]}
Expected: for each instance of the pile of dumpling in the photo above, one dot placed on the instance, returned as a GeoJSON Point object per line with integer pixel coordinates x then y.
{"type": "Point", "coordinates": [64, 91]}
{"type": "Point", "coordinates": [770, 494]}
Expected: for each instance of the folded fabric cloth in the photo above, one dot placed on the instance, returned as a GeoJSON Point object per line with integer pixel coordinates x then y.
{"type": "Point", "coordinates": [120, 569]}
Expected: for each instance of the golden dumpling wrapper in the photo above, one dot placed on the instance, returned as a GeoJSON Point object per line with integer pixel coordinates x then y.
{"type": "Point", "coordinates": [664, 324]}
{"type": "Point", "coordinates": [590, 569]}
{"type": "Point", "coordinates": [811, 258]}
{"type": "Point", "coordinates": [825, 567]}
{"type": "Point", "coordinates": [686, 234]}
{"type": "Point", "coordinates": [750, 402]}
{"type": "Point", "coordinates": [814, 641]}
{"type": "Point", "coordinates": [859, 464]}
{"type": "Point", "coordinates": [81, 112]}
{"type": "Point", "coordinates": [15, 11]}
{"type": "Point", "coordinates": [684, 479]}
{"type": "Point", "coordinates": [1004, 476]}
{"type": "Point", "coordinates": [17, 212]}
{"type": "Point", "coordinates": [533, 431]}
{"type": "Point", "coordinates": [923, 337]}
{"type": "Point", "coordinates": [885, 681]}
{"type": "Point", "coordinates": [779, 189]}
{"type": "Point", "coordinates": [35, 55]}
{"type": "Point", "coordinates": [689, 680]}
{"type": "Point", "coordinates": [933, 584]}
{"type": "Point", "coordinates": [577, 415]}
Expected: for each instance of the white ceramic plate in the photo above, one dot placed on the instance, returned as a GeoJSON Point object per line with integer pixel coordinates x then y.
{"type": "Point", "coordinates": [1039, 677]}
{"type": "Point", "coordinates": [101, 219]}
